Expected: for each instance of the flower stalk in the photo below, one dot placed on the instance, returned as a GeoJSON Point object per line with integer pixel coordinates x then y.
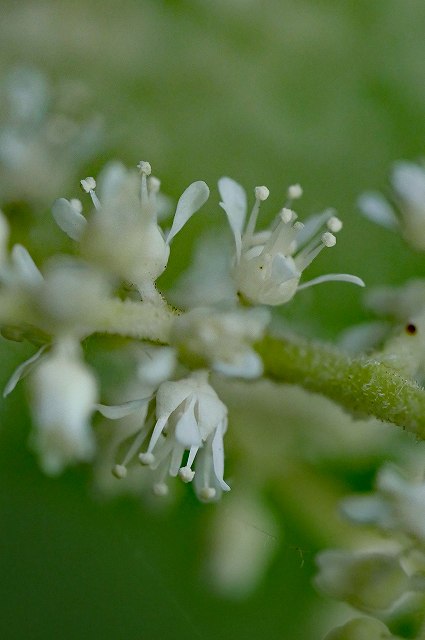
{"type": "Point", "coordinates": [364, 386]}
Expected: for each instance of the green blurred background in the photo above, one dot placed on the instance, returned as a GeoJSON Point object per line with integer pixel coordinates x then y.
{"type": "Point", "coordinates": [321, 92]}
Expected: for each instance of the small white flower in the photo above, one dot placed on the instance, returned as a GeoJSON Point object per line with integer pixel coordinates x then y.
{"type": "Point", "coordinates": [223, 338]}
{"type": "Point", "coordinates": [269, 264]}
{"type": "Point", "coordinates": [63, 396]}
{"type": "Point", "coordinates": [123, 235]}
{"type": "Point", "coordinates": [194, 419]}
{"type": "Point", "coordinates": [408, 184]}
{"type": "Point", "coordinates": [398, 505]}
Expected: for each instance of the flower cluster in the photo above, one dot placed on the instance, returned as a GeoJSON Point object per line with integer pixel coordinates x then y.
{"type": "Point", "coordinates": [385, 580]}
{"type": "Point", "coordinates": [169, 417]}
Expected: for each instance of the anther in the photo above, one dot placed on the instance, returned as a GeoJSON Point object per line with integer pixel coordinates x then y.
{"type": "Point", "coordinates": [186, 474]}
{"type": "Point", "coordinates": [88, 184]}
{"type": "Point", "coordinates": [146, 458]}
{"type": "Point", "coordinates": [144, 167]}
{"type": "Point", "coordinates": [286, 215]}
{"type": "Point", "coordinates": [261, 193]}
{"type": "Point", "coordinates": [295, 191]}
{"type": "Point", "coordinates": [119, 471]}
{"type": "Point", "coordinates": [160, 489]}
{"type": "Point", "coordinates": [328, 239]}
{"type": "Point", "coordinates": [334, 224]}
{"type": "Point", "coordinates": [207, 493]}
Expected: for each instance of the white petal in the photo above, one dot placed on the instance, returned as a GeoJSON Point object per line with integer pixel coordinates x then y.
{"type": "Point", "coordinates": [187, 429]}
{"type": "Point", "coordinates": [333, 277]}
{"type": "Point", "coordinates": [117, 411]}
{"type": "Point", "coordinates": [25, 267]}
{"type": "Point", "coordinates": [21, 371]}
{"type": "Point", "coordinates": [111, 180]}
{"type": "Point", "coordinates": [234, 203]}
{"type": "Point", "coordinates": [408, 180]}
{"type": "Point", "coordinates": [283, 269]}
{"type": "Point", "coordinates": [190, 201]}
{"type": "Point", "coordinates": [374, 207]}
{"type": "Point", "coordinates": [71, 221]}
{"type": "Point", "coordinates": [218, 456]}
{"type": "Point", "coordinates": [249, 365]}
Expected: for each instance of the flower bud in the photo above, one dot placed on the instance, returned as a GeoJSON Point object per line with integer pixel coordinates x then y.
{"type": "Point", "coordinates": [360, 629]}
{"type": "Point", "coordinates": [368, 581]}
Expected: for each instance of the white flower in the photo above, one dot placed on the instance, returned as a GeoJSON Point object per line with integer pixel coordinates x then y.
{"type": "Point", "coordinates": [269, 264]}
{"type": "Point", "coordinates": [41, 141]}
{"type": "Point", "coordinates": [194, 419]}
{"type": "Point", "coordinates": [408, 184]}
{"type": "Point", "coordinates": [361, 629]}
{"type": "Point", "coordinates": [368, 581]}
{"type": "Point", "coordinates": [398, 505]}
{"type": "Point", "coordinates": [222, 338]}
{"type": "Point", "coordinates": [63, 396]}
{"type": "Point", "coordinates": [123, 235]}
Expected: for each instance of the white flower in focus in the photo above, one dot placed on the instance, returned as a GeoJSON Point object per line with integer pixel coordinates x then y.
{"type": "Point", "coordinates": [223, 338]}
{"type": "Point", "coordinates": [123, 235]}
{"type": "Point", "coordinates": [269, 264]}
{"type": "Point", "coordinates": [189, 417]}
{"type": "Point", "coordinates": [408, 185]}
{"type": "Point", "coordinates": [63, 396]}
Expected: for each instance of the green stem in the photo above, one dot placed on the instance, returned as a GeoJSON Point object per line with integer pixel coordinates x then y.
{"type": "Point", "coordinates": [362, 385]}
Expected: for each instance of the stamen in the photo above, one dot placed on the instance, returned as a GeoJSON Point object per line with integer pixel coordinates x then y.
{"type": "Point", "coordinates": [328, 239]}
{"type": "Point", "coordinates": [295, 191]}
{"type": "Point", "coordinates": [146, 458]}
{"type": "Point", "coordinates": [207, 493]}
{"type": "Point", "coordinates": [160, 489]}
{"type": "Point", "coordinates": [89, 185]}
{"type": "Point", "coordinates": [186, 474]}
{"type": "Point", "coordinates": [145, 170]}
{"type": "Point", "coordinates": [261, 194]}
{"type": "Point", "coordinates": [334, 224]}
{"type": "Point", "coordinates": [119, 471]}
{"type": "Point", "coordinates": [287, 215]}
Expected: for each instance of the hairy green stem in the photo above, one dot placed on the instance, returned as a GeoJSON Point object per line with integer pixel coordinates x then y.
{"type": "Point", "coordinates": [362, 385]}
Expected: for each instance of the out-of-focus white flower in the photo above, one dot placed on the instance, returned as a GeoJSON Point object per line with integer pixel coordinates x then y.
{"type": "Point", "coordinates": [123, 234]}
{"type": "Point", "coordinates": [269, 264]}
{"type": "Point", "coordinates": [361, 629]}
{"type": "Point", "coordinates": [41, 145]}
{"type": "Point", "coordinates": [370, 581]}
{"type": "Point", "coordinates": [408, 184]}
{"type": "Point", "coordinates": [244, 537]}
{"type": "Point", "coordinates": [63, 396]}
{"type": "Point", "coordinates": [398, 505]}
{"type": "Point", "coordinates": [223, 338]}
